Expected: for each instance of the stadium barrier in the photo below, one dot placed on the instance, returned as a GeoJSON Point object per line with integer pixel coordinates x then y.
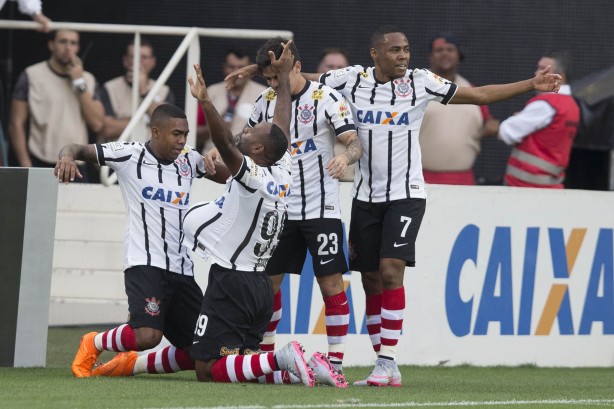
{"type": "Point", "coordinates": [27, 225]}
{"type": "Point", "coordinates": [504, 276]}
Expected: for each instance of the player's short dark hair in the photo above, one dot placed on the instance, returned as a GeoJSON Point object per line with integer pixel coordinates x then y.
{"type": "Point", "coordinates": [276, 144]}
{"type": "Point", "coordinates": [378, 35]}
{"type": "Point", "coordinates": [274, 44]}
{"type": "Point", "coordinates": [562, 60]}
{"type": "Point", "coordinates": [334, 50]}
{"type": "Point", "coordinates": [165, 111]}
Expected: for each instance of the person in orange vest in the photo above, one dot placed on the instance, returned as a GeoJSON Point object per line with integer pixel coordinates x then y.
{"type": "Point", "coordinates": [543, 132]}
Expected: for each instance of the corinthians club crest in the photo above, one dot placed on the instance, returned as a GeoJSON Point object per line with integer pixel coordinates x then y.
{"type": "Point", "coordinates": [152, 307]}
{"type": "Point", "coordinates": [305, 113]}
{"type": "Point", "coordinates": [182, 165]}
{"type": "Point", "coordinates": [402, 87]}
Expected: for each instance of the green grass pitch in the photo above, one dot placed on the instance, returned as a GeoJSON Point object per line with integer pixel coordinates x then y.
{"type": "Point", "coordinates": [424, 387]}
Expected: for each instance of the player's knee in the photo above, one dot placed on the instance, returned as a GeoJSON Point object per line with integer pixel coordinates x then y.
{"type": "Point", "coordinates": [330, 285]}
{"type": "Point", "coordinates": [392, 272]}
{"type": "Point", "coordinates": [147, 338]}
{"type": "Point", "coordinates": [371, 282]}
{"type": "Point", "coordinates": [203, 370]}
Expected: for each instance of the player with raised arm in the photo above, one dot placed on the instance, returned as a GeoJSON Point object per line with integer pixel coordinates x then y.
{"type": "Point", "coordinates": [388, 101]}
{"type": "Point", "coordinates": [320, 115]}
{"type": "Point", "coordinates": [239, 231]}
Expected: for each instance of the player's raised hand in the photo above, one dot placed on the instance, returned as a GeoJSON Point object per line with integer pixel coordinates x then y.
{"type": "Point", "coordinates": [547, 82]}
{"type": "Point", "coordinates": [286, 60]}
{"type": "Point", "coordinates": [211, 157]}
{"type": "Point", "coordinates": [245, 72]}
{"type": "Point", "coordinates": [198, 88]}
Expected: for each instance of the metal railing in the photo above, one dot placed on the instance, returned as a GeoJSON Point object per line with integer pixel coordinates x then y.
{"type": "Point", "coordinates": [190, 44]}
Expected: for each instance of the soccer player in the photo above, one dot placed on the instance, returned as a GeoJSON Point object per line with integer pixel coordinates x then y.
{"type": "Point", "coordinates": [163, 298]}
{"type": "Point", "coordinates": [320, 115]}
{"type": "Point", "coordinates": [239, 231]}
{"type": "Point", "coordinates": [388, 103]}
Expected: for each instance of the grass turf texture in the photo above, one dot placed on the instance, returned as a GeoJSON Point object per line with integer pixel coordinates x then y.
{"type": "Point", "coordinates": [517, 387]}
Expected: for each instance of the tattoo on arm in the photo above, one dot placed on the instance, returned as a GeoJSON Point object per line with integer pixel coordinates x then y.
{"type": "Point", "coordinates": [353, 150]}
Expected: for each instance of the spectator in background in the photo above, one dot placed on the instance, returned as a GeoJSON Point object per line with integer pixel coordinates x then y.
{"type": "Point", "coordinates": [57, 101]}
{"type": "Point", "coordinates": [235, 105]}
{"type": "Point", "coordinates": [334, 59]}
{"type": "Point", "coordinates": [450, 134]}
{"type": "Point", "coordinates": [117, 96]}
{"type": "Point", "coordinates": [543, 132]}
{"type": "Point", "coordinates": [34, 9]}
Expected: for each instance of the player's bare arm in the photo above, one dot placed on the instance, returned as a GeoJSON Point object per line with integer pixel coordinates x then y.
{"type": "Point", "coordinates": [245, 72]}
{"type": "Point", "coordinates": [283, 107]}
{"type": "Point", "coordinates": [66, 169]}
{"type": "Point", "coordinates": [220, 133]}
{"type": "Point", "coordinates": [353, 151]}
{"type": "Point", "coordinates": [543, 81]}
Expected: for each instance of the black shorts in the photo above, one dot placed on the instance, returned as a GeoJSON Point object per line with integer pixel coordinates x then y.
{"type": "Point", "coordinates": [384, 230]}
{"type": "Point", "coordinates": [163, 300]}
{"type": "Point", "coordinates": [323, 238]}
{"type": "Point", "coordinates": [234, 315]}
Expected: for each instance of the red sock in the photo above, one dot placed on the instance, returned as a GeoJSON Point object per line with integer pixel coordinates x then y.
{"type": "Point", "coordinates": [268, 339]}
{"type": "Point", "coordinates": [242, 368]}
{"type": "Point", "coordinates": [169, 360]}
{"type": "Point", "coordinates": [393, 306]}
{"type": "Point", "coordinates": [374, 319]}
{"type": "Point", "coordinates": [120, 339]}
{"type": "Point", "coordinates": [337, 312]}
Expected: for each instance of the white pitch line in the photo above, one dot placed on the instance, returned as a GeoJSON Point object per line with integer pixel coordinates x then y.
{"type": "Point", "coordinates": [595, 402]}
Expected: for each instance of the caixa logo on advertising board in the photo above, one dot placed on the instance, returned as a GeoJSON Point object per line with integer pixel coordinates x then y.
{"type": "Point", "coordinates": [594, 310]}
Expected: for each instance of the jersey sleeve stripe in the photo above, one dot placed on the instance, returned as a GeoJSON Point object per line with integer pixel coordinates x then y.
{"type": "Point", "coordinates": [450, 94]}
{"type": "Point", "coordinates": [100, 155]}
{"type": "Point", "coordinates": [242, 171]}
{"type": "Point", "coordinates": [345, 128]}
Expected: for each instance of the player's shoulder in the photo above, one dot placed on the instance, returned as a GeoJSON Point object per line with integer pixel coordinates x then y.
{"type": "Point", "coordinates": [123, 147]}
{"type": "Point", "coordinates": [426, 74]}
{"type": "Point", "coordinates": [267, 95]}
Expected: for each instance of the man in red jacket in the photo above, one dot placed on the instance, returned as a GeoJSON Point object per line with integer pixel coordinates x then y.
{"type": "Point", "coordinates": [543, 132]}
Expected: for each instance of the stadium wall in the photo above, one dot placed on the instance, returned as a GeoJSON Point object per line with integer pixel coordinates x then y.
{"type": "Point", "coordinates": [504, 276]}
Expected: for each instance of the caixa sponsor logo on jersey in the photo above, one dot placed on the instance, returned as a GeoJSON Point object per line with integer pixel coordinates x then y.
{"type": "Point", "coordinates": [382, 117]}
{"type": "Point", "coordinates": [168, 196]}
{"type": "Point", "coordinates": [525, 289]}
{"type": "Point", "coordinates": [298, 148]}
{"type": "Point", "coordinates": [278, 190]}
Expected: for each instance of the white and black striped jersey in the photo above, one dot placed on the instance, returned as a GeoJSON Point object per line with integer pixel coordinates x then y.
{"type": "Point", "coordinates": [388, 117]}
{"type": "Point", "coordinates": [240, 229]}
{"type": "Point", "coordinates": [320, 114]}
{"type": "Point", "coordinates": [156, 195]}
